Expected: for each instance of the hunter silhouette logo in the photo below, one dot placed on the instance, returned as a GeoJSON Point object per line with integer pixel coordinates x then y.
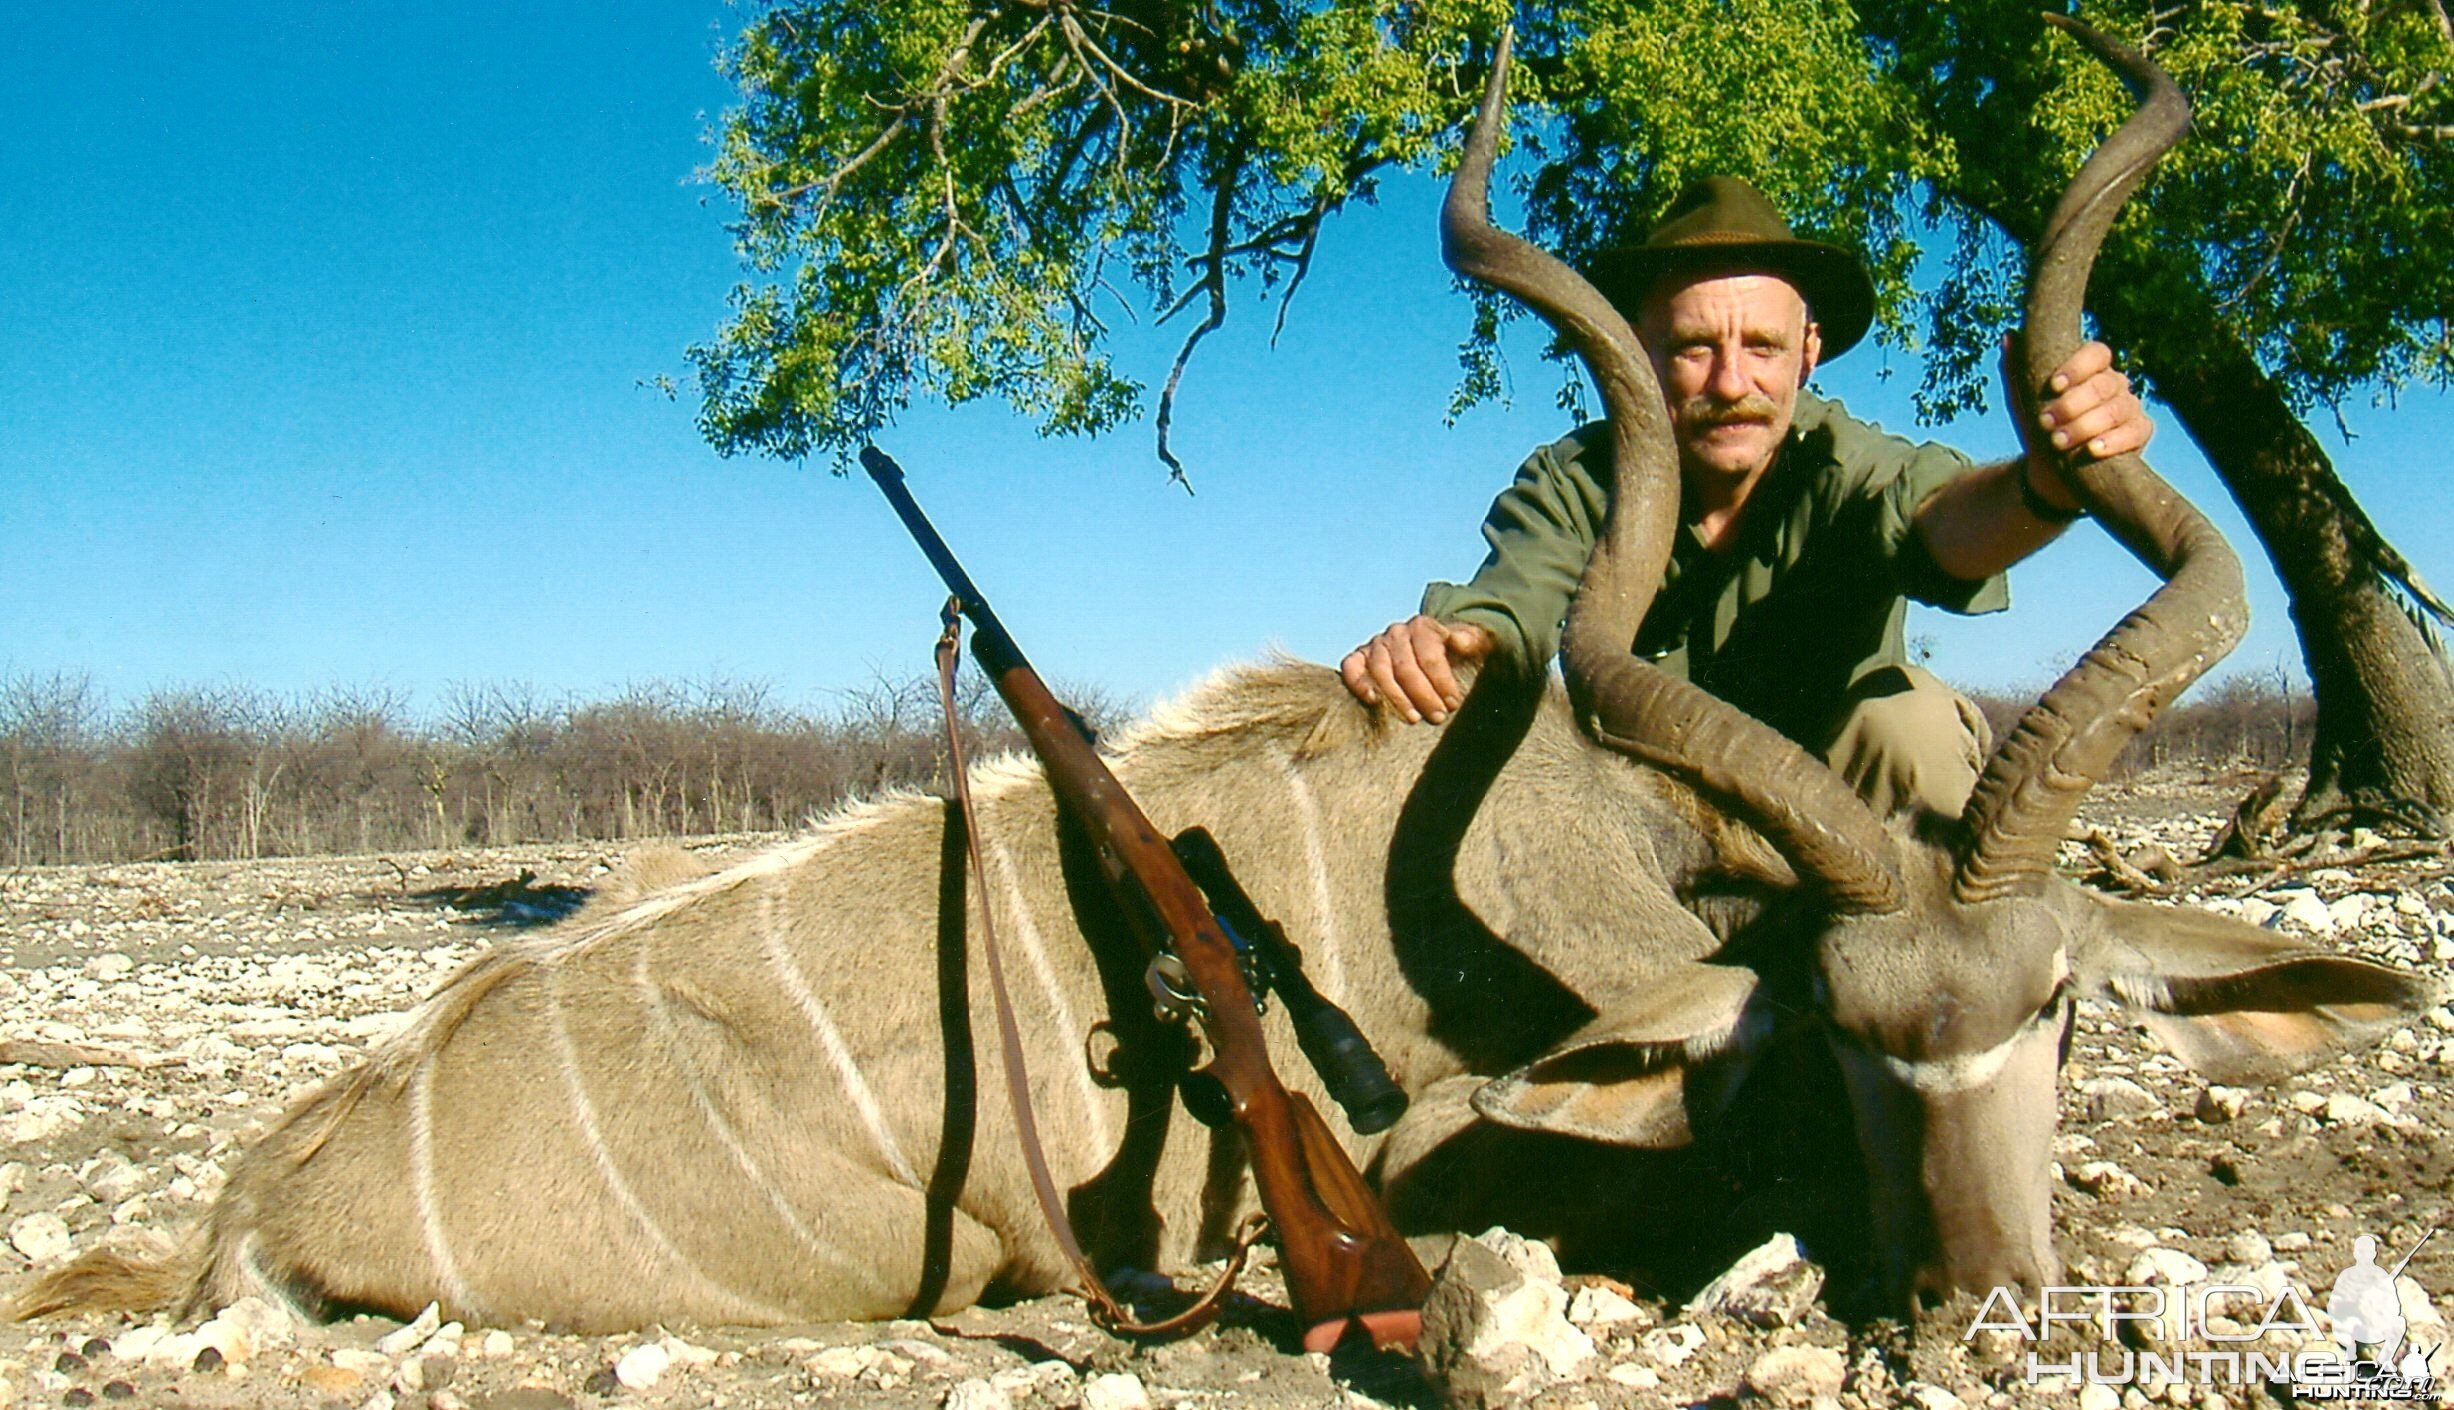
{"type": "Point", "coordinates": [2366, 1307]}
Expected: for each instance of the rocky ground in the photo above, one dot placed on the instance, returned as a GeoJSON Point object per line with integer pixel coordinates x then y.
{"type": "Point", "coordinates": [152, 1015]}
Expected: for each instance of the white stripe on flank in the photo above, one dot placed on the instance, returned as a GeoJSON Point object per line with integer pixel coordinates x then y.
{"type": "Point", "coordinates": [839, 1055]}
{"type": "Point", "coordinates": [422, 1185]}
{"type": "Point", "coordinates": [1328, 947]}
{"type": "Point", "coordinates": [1069, 1029]}
{"type": "Point", "coordinates": [731, 1141]}
{"type": "Point", "coordinates": [594, 1132]}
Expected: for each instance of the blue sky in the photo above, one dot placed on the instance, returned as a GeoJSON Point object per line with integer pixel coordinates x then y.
{"type": "Point", "coordinates": [325, 338]}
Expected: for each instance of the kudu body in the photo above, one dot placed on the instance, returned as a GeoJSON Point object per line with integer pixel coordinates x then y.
{"type": "Point", "coordinates": [757, 1096]}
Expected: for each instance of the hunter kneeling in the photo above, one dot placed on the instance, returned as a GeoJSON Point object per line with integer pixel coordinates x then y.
{"type": "Point", "coordinates": [1803, 530]}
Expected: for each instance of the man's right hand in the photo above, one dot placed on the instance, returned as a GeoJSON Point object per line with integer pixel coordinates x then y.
{"type": "Point", "coordinates": [1409, 666]}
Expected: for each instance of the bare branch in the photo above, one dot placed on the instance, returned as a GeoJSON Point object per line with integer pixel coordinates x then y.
{"type": "Point", "coordinates": [1214, 283]}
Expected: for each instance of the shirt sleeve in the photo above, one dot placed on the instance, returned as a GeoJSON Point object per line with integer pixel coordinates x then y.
{"type": "Point", "coordinates": [1900, 476]}
{"type": "Point", "coordinates": [1541, 530]}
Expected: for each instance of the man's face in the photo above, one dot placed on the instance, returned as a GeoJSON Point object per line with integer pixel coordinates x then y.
{"type": "Point", "coordinates": [1732, 352]}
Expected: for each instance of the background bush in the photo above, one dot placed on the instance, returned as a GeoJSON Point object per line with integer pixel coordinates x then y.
{"type": "Point", "coordinates": [221, 772]}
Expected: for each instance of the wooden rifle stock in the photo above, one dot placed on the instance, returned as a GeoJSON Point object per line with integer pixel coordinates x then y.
{"type": "Point", "coordinates": [1345, 1263]}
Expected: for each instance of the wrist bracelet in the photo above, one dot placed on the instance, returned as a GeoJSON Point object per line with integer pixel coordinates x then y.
{"type": "Point", "coordinates": [2038, 504]}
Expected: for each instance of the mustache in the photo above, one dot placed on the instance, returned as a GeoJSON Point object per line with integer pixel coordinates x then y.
{"type": "Point", "coordinates": [1704, 412]}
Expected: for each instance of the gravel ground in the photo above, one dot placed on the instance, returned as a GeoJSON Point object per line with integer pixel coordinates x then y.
{"type": "Point", "coordinates": [161, 1012]}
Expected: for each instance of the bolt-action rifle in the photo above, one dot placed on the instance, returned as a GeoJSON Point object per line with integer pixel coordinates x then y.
{"type": "Point", "coordinates": [1344, 1262]}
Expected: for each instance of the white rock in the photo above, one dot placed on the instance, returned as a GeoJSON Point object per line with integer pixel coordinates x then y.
{"type": "Point", "coordinates": [1120, 1390]}
{"type": "Point", "coordinates": [2112, 1098]}
{"type": "Point", "coordinates": [2344, 1109]}
{"type": "Point", "coordinates": [845, 1361]}
{"type": "Point", "coordinates": [2294, 1242]}
{"type": "Point", "coordinates": [2349, 911]}
{"type": "Point", "coordinates": [134, 1343]}
{"type": "Point", "coordinates": [2221, 1104]}
{"type": "Point", "coordinates": [246, 1328]}
{"type": "Point", "coordinates": [40, 1237]}
{"type": "Point", "coordinates": [1530, 1257]}
{"type": "Point", "coordinates": [494, 1344]}
{"type": "Point", "coordinates": [2308, 912]}
{"type": "Point", "coordinates": [110, 966]}
{"type": "Point", "coordinates": [641, 1367]}
{"type": "Point", "coordinates": [977, 1395]}
{"type": "Point", "coordinates": [2168, 1266]}
{"type": "Point", "coordinates": [2393, 1094]}
{"type": "Point", "coordinates": [1598, 1306]}
{"type": "Point", "coordinates": [689, 1354]}
{"type": "Point", "coordinates": [2093, 1396]}
{"type": "Point", "coordinates": [1933, 1397]}
{"type": "Point", "coordinates": [414, 1335]}
{"type": "Point", "coordinates": [1797, 1375]}
{"type": "Point", "coordinates": [1771, 1285]}
{"type": "Point", "coordinates": [2249, 1247]}
{"type": "Point", "coordinates": [1670, 1346]}
{"type": "Point", "coordinates": [373, 1365]}
{"type": "Point", "coordinates": [2105, 1180]}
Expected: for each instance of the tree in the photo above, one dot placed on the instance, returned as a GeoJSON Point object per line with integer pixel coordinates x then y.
{"type": "Point", "coordinates": [943, 194]}
{"type": "Point", "coordinates": [2289, 258]}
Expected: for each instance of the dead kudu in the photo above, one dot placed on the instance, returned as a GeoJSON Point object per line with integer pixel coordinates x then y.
{"type": "Point", "coordinates": [756, 1097]}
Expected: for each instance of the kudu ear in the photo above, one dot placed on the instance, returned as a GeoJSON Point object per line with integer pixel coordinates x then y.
{"type": "Point", "coordinates": [1625, 1078]}
{"type": "Point", "coordinates": [2237, 1003]}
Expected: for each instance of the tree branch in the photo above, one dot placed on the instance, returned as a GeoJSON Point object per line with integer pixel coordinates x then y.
{"type": "Point", "coordinates": [1214, 283]}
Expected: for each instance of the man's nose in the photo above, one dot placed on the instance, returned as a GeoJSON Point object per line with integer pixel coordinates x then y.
{"type": "Point", "coordinates": [1728, 382]}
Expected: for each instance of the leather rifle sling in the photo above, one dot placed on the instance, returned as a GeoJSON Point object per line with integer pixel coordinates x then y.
{"type": "Point", "coordinates": [1105, 1308]}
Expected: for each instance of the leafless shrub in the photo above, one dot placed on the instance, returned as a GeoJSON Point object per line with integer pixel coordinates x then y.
{"type": "Point", "coordinates": [230, 772]}
{"type": "Point", "coordinates": [2257, 720]}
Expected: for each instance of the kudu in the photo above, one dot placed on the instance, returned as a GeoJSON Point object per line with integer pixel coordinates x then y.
{"type": "Point", "coordinates": [753, 1097]}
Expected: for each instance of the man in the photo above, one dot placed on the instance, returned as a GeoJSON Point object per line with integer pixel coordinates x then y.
{"type": "Point", "coordinates": [1802, 529]}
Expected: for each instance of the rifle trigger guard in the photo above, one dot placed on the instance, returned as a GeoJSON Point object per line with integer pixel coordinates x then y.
{"type": "Point", "coordinates": [1173, 994]}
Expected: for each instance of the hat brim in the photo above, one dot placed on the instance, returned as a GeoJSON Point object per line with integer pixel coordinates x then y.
{"type": "Point", "coordinates": [1832, 280]}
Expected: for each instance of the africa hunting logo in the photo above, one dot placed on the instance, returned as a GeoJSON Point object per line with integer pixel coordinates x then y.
{"type": "Point", "coordinates": [2371, 1358]}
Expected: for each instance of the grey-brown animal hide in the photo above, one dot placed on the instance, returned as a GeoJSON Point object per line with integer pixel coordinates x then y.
{"type": "Point", "coordinates": [767, 1095]}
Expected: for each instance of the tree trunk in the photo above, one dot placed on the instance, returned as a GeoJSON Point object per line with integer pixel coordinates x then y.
{"type": "Point", "coordinates": [2384, 748]}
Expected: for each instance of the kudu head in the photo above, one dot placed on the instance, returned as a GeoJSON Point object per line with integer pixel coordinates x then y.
{"type": "Point", "coordinates": [1948, 957]}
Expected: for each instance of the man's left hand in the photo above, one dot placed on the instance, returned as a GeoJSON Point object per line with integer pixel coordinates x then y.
{"type": "Point", "coordinates": [2093, 415]}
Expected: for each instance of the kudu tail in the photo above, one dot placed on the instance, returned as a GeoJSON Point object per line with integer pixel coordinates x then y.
{"type": "Point", "coordinates": [123, 1279]}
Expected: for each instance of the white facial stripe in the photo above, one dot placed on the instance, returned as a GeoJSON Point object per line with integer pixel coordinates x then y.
{"type": "Point", "coordinates": [1941, 1076]}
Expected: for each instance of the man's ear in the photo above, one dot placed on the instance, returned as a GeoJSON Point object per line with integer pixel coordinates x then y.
{"type": "Point", "coordinates": [1631, 1077]}
{"type": "Point", "coordinates": [1811, 351]}
{"type": "Point", "coordinates": [2237, 1003]}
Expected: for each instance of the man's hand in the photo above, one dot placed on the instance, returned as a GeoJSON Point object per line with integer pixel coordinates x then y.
{"type": "Point", "coordinates": [2093, 416]}
{"type": "Point", "coordinates": [1408, 666]}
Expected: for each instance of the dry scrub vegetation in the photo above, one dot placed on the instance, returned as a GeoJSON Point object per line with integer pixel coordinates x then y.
{"type": "Point", "coordinates": [230, 773]}
{"type": "Point", "coordinates": [233, 773]}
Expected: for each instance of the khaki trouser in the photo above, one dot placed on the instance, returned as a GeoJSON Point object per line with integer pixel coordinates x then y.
{"type": "Point", "coordinates": [1908, 740]}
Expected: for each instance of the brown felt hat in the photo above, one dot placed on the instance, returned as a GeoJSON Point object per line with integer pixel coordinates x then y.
{"type": "Point", "coordinates": [1722, 225]}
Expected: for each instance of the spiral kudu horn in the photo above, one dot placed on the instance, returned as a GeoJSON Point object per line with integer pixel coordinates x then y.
{"type": "Point", "coordinates": [1626, 703]}
{"type": "Point", "coordinates": [2034, 782]}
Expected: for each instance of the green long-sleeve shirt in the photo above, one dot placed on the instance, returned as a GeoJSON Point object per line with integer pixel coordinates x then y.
{"type": "Point", "coordinates": [1808, 600]}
